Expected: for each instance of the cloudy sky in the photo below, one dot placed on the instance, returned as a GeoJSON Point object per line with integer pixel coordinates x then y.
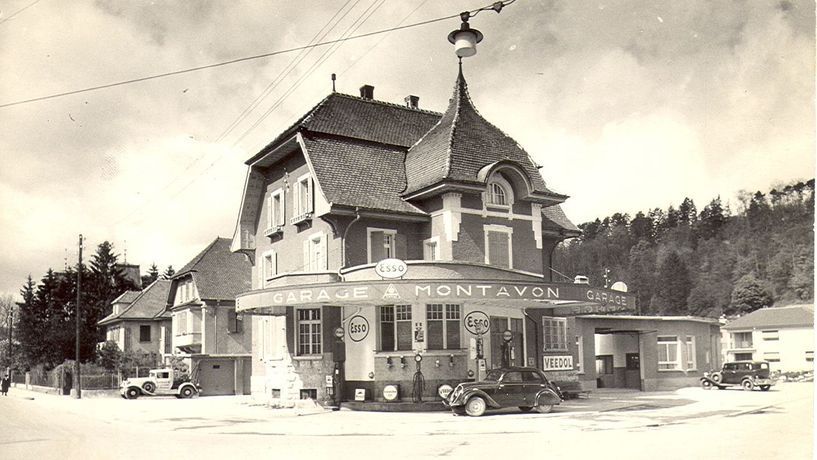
{"type": "Point", "coordinates": [628, 105]}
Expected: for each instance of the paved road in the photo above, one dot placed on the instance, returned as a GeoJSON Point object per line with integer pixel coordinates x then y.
{"type": "Point", "coordinates": [690, 424]}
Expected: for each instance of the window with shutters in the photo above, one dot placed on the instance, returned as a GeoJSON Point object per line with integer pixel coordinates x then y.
{"type": "Point", "coordinates": [443, 324]}
{"type": "Point", "coordinates": [395, 327]}
{"type": "Point", "coordinates": [302, 199]}
{"type": "Point", "coordinates": [275, 209]}
{"type": "Point", "coordinates": [499, 246]}
{"type": "Point", "coordinates": [381, 244]}
{"type": "Point", "coordinates": [315, 253]}
{"type": "Point", "coordinates": [270, 264]}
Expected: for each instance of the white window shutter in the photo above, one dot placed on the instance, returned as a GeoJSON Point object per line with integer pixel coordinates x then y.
{"type": "Point", "coordinates": [269, 211]}
{"type": "Point", "coordinates": [324, 262]}
{"type": "Point", "coordinates": [274, 263]}
{"type": "Point", "coordinates": [306, 256]}
{"type": "Point", "coordinates": [310, 201]}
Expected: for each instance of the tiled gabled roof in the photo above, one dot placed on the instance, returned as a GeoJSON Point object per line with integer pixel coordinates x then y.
{"type": "Point", "coordinates": [218, 273]}
{"type": "Point", "coordinates": [790, 316]}
{"type": "Point", "coordinates": [359, 174]}
{"type": "Point", "coordinates": [461, 144]}
{"type": "Point", "coordinates": [364, 119]}
{"type": "Point", "coordinates": [148, 304]}
{"type": "Point", "coordinates": [127, 297]}
{"type": "Point", "coordinates": [555, 217]}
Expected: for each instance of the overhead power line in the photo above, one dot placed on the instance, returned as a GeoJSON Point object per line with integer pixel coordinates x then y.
{"type": "Point", "coordinates": [496, 6]}
{"type": "Point", "coordinates": [19, 11]}
{"type": "Point", "coordinates": [221, 64]}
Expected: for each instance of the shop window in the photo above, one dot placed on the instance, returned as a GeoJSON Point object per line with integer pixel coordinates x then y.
{"type": "Point", "coordinates": [554, 331]}
{"type": "Point", "coordinates": [144, 333]}
{"type": "Point", "coordinates": [303, 196]}
{"type": "Point", "coordinates": [499, 246]}
{"type": "Point", "coordinates": [315, 253]}
{"type": "Point", "coordinates": [443, 323]}
{"type": "Point", "coordinates": [690, 350]}
{"type": "Point", "coordinates": [771, 356]}
{"type": "Point", "coordinates": [604, 365]}
{"type": "Point", "coordinates": [395, 328]}
{"type": "Point", "coordinates": [309, 331]}
{"type": "Point", "coordinates": [770, 335]}
{"type": "Point", "coordinates": [275, 206]}
{"type": "Point", "coordinates": [668, 356]}
{"type": "Point", "coordinates": [309, 393]}
{"type": "Point", "coordinates": [743, 356]}
{"type": "Point", "coordinates": [234, 322]}
{"type": "Point", "coordinates": [809, 356]}
{"type": "Point", "coordinates": [381, 244]}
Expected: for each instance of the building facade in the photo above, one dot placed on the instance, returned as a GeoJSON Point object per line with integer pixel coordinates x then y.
{"type": "Point", "coordinates": [784, 336]}
{"type": "Point", "coordinates": [138, 322]}
{"type": "Point", "coordinates": [207, 333]}
{"type": "Point", "coordinates": [398, 250]}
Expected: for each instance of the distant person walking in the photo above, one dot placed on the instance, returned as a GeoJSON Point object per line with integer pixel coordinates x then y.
{"type": "Point", "coordinates": [4, 385]}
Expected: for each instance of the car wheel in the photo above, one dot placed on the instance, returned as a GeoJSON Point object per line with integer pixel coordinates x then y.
{"type": "Point", "coordinates": [525, 408]}
{"type": "Point", "coordinates": [475, 406]}
{"type": "Point", "coordinates": [706, 384]}
{"type": "Point", "coordinates": [149, 387]}
{"type": "Point", "coordinates": [187, 392]}
{"type": "Point", "coordinates": [132, 393]}
{"type": "Point", "coordinates": [747, 384]}
{"type": "Point", "coordinates": [716, 377]}
{"type": "Point", "coordinates": [765, 387]}
{"type": "Point", "coordinates": [544, 408]}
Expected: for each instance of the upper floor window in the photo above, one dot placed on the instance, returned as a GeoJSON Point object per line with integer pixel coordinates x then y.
{"type": "Point", "coordinates": [315, 253]}
{"type": "Point", "coordinates": [499, 192]}
{"type": "Point", "coordinates": [381, 244]}
{"type": "Point", "coordinates": [742, 340]}
{"type": "Point", "coordinates": [303, 195]}
{"type": "Point", "coordinates": [499, 246]}
{"type": "Point", "coordinates": [270, 265]}
{"type": "Point", "coordinates": [186, 291]}
{"type": "Point", "coordinates": [431, 249]}
{"type": "Point", "coordinates": [275, 214]}
{"type": "Point", "coordinates": [144, 333]}
{"type": "Point", "coordinates": [234, 322]}
{"type": "Point", "coordinates": [770, 335]}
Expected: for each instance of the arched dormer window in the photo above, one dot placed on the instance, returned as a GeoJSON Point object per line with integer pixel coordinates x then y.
{"type": "Point", "coordinates": [499, 192]}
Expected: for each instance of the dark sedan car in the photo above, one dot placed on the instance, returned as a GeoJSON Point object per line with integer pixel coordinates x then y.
{"type": "Point", "coordinates": [523, 387]}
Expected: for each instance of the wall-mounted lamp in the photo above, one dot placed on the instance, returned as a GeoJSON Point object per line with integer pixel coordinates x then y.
{"type": "Point", "coordinates": [389, 362]}
{"type": "Point", "coordinates": [470, 373]}
{"type": "Point", "coordinates": [402, 361]}
{"type": "Point", "coordinates": [451, 360]}
{"type": "Point", "coordinates": [437, 362]}
{"type": "Point", "coordinates": [371, 375]}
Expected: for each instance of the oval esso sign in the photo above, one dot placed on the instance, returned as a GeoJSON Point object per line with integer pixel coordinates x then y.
{"type": "Point", "coordinates": [391, 268]}
{"type": "Point", "coordinates": [477, 323]}
{"type": "Point", "coordinates": [358, 328]}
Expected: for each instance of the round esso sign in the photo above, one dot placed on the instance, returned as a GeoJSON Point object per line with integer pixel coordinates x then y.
{"type": "Point", "coordinates": [391, 268]}
{"type": "Point", "coordinates": [358, 328]}
{"type": "Point", "coordinates": [477, 323]}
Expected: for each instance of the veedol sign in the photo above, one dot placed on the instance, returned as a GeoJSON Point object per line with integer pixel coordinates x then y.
{"type": "Point", "coordinates": [375, 292]}
{"type": "Point", "coordinates": [557, 363]}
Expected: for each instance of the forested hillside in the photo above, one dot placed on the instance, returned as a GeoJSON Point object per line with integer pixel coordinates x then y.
{"type": "Point", "coordinates": [716, 261]}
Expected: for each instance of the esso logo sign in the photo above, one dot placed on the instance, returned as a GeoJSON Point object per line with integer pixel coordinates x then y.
{"type": "Point", "coordinates": [391, 268]}
{"type": "Point", "coordinates": [390, 392]}
{"type": "Point", "coordinates": [444, 390]}
{"type": "Point", "coordinates": [477, 323]}
{"type": "Point", "coordinates": [358, 328]}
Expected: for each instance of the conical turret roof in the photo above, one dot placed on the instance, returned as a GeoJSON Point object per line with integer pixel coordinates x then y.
{"type": "Point", "coordinates": [462, 143]}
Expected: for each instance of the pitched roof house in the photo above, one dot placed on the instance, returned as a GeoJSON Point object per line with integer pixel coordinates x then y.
{"type": "Point", "coordinates": [207, 332]}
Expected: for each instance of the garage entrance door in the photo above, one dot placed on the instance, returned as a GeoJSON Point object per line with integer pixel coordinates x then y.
{"type": "Point", "coordinates": [217, 377]}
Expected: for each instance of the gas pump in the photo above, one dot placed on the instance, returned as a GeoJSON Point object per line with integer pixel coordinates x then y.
{"type": "Point", "coordinates": [339, 354]}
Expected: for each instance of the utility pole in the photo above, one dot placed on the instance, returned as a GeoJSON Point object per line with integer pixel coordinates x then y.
{"type": "Point", "coordinates": [77, 370]}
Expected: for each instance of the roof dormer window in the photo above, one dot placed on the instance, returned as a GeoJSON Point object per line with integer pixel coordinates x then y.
{"type": "Point", "coordinates": [499, 193]}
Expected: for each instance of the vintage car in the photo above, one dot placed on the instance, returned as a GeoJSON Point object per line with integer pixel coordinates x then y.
{"type": "Point", "coordinates": [523, 387]}
{"type": "Point", "coordinates": [747, 374]}
{"type": "Point", "coordinates": [160, 382]}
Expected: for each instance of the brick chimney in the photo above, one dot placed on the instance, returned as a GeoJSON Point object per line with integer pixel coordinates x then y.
{"type": "Point", "coordinates": [412, 102]}
{"type": "Point", "coordinates": [367, 92]}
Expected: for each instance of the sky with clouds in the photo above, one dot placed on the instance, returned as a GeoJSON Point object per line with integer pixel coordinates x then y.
{"type": "Point", "coordinates": [628, 105]}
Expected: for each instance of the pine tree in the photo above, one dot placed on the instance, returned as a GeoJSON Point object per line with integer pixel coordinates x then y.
{"type": "Point", "coordinates": [151, 276]}
{"type": "Point", "coordinates": [169, 272]}
{"type": "Point", "coordinates": [672, 286]}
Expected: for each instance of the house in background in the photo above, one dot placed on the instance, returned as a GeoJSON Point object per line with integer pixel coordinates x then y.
{"type": "Point", "coordinates": [138, 323]}
{"type": "Point", "coordinates": [208, 335]}
{"type": "Point", "coordinates": [784, 336]}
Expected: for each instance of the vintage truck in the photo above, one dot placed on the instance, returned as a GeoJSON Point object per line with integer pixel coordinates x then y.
{"type": "Point", "coordinates": [160, 382]}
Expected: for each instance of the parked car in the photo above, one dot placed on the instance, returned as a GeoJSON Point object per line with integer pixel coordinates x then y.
{"type": "Point", "coordinates": [747, 374]}
{"type": "Point", "coordinates": [160, 382]}
{"type": "Point", "coordinates": [523, 387]}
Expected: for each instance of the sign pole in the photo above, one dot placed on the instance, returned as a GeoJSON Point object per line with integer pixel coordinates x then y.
{"type": "Point", "coordinates": [77, 369]}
